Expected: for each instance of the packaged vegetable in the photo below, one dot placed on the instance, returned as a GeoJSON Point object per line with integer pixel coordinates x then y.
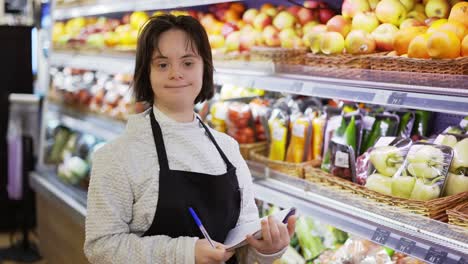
{"type": "Point", "coordinates": [457, 181]}
{"type": "Point", "coordinates": [342, 161]}
{"type": "Point", "coordinates": [318, 125]}
{"type": "Point", "coordinates": [385, 125]}
{"type": "Point", "coordinates": [218, 116]}
{"type": "Point", "coordinates": [300, 140]}
{"type": "Point", "coordinates": [406, 123]}
{"type": "Point", "coordinates": [336, 127]}
{"type": "Point", "coordinates": [311, 244]}
{"type": "Point", "coordinates": [278, 125]}
{"type": "Point", "coordinates": [446, 140]}
{"type": "Point", "coordinates": [357, 250]}
{"type": "Point", "coordinates": [73, 170]}
{"type": "Point", "coordinates": [379, 183]}
{"type": "Point", "coordinates": [424, 172]}
{"type": "Point", "coordinates": [259, 109]}
{"type": "Point", "coordinates": [421, 124]}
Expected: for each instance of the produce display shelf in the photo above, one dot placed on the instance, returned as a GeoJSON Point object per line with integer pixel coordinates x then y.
{"type": "Point", "coordinates": [100, 126]}
{"type": "Point", "coordinates": [263, 75]}
{"type": "Point", "coordinates": [99, 7]}
{"type": "Point", "coordinates": [72, 199]}
{"type": "Point", "coordinates": [421, 237]}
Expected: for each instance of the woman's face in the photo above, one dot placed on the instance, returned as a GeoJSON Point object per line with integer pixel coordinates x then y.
{"type": "Point", "coordinates": [176, 71]}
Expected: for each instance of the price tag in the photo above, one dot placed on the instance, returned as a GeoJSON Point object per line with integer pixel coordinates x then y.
{"type": "Point", "coordinates": [397, 98]}
{"type": "Point", "coordinates": [384, 141]}
{"type": "Point", "coordinates": [296, 87]}
{"type": "Point", "coordinates": [278, 133]}
{"type": "Point", "coordinates": [341, 159]}
{"type": "Point", "coordinates": [368, 122]}
{"type": "Point", "coordinates": [405, 245]}
{"type": "Point", "coordinates": [435, 256]}
{"type": "Point", "coordinates": [380, 236]}
{"type": "Point", "coordinates": [462, 261]}
{"type": "Point", "coordinates": [298, 130]}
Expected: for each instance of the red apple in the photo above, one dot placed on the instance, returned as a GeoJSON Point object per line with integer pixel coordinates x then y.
{"type": "Point", "coordinates": [293, 10]}
{"type": "Point", "coordinates": [411, 22]}
{"type": "Point", "coordinates": [261, 21]}
{"type": "Point", "coordinates": [284, 20]}
{"type": "Point", "coordinates": [271, 36]}
{"type": "Point", "coordinates": [352, 7]}
{"type": "Point", "coordinates": [250, 15]}
{"type": "Point", "coordinates": [305, 15]}
{"type": "Point", "coordinates": [325, 15]}
{"type": "Point", "coordinates": [311, 4]}
{"type": "Point", "coordinates": [339, 24]}
{"type": "Point", "coordinates": [384, 35]}
{"type": "Point", "coordinates": [319, 28]}
{"type": "Point", "coordinates": [228, 28]}
{"type": "Point", "coordinates": [247, 40]}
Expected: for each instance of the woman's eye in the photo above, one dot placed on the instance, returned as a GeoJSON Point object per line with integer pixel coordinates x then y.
{"type": "Point", "coordinates": [162, 65]}
{"type": "Point", "coordinates": [188, 63]}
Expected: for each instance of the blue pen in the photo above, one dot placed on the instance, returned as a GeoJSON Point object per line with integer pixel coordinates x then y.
{"type": "Point", "coordinates": [199, 224]}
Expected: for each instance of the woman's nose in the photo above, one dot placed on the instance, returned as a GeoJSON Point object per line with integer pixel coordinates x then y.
{"type": "Point", "coordinates": [175, 74]}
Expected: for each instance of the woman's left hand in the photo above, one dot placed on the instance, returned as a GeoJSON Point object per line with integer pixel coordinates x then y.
{"type": "Point", "coordinates": [275, 236]}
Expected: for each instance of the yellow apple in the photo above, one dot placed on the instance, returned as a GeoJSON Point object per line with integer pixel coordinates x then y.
{"type": "Point", "coordinates": [391, 11]}
{"type": "Point", "coordinates": [384, 36]}
{"type": "Point", "coordinates": [437, 8]}
{"type": "Point", "coordinates": [409, 4]}
{"type": "Point", "coordinates": [417, 15]}
{"type": "Point", "coordinates": [366, 21]}
{"type": "Point", "coordinates": [339, 24]}
{"type": "Point", "coordinates": [411, 22]}
{"type": "Point", "coordinates": [332, 43]}
{"type": "Point", "coordinates": [351, 7]}
{"type": "Point", "coordinates": [359, 42]}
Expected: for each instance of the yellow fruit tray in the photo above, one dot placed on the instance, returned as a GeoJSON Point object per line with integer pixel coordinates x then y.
{"type": "Point", "coordinates": [292, 169]}
{"type": "Point", "coordinates": [435, 209]}
{"type": "Point", "coordinates": [458, 66]}
{"type": "Point", "coordinates": [459, 215]}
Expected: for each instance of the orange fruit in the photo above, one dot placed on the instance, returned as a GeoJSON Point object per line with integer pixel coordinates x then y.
{"type": "Point", "coordinates": [443, 45]}
{"type": "Point", "coordinates": [464, 47]}
{"type": "Point", "coordinates": [418, 47]}
{"type": "Point", "coordinates": [459, 13]}
{"type": "Point", "coordinates": [456, 27]}
{"type": "Point", "coordinates": [404, 36]}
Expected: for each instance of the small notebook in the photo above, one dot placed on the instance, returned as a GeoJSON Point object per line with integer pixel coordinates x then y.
{"type": "Point", "coordinates": [236, 237]}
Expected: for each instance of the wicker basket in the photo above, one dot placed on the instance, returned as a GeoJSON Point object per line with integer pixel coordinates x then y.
{"type": "Point", "coordinates": [435, 209]}
{"type": "Point", "coordinates": [289, 168]}
{"type": "Point", "coordinates": [459, 215]}
{"type": "Point", "coordinates": [458, 66]}
{"type": "Point", "coordinates": [278, 55]}
{"type": "Point", "coordinates": [341, 61]}
{"type": "Point", "coordinates": [245, 149]}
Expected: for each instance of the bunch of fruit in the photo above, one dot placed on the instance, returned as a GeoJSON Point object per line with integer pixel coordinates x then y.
{"type": "Point", "coordinates": [271, 26]}
{"type": "Point", "coordinates": [368, 26]}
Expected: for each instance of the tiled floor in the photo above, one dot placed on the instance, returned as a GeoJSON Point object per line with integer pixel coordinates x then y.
{"type": "Point", "coordinates": [5, 242]}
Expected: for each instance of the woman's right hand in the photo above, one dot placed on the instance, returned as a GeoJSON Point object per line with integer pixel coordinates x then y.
{"type": "Point", "coordinates": [206, 254]}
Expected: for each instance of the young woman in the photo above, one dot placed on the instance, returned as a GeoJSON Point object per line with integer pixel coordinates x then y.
{"type": "Point", "coordinates": [167, 160]}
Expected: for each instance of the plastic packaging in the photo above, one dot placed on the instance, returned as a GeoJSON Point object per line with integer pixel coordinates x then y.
{"type": "Point", "coordinates": [457, 180]}
{"type": "Point", "coordinates": [384, 125]}
{"type": "Point", "coordinates": [342, 161]}
{"type": "Point", "coordinates": [278, 125]}
{"type": "Point", "coordinates": [406, 123]}
{"type": "Point", "coordinates": [218, 116]}
{"type": "Point", "coordinates": [318, 127]}
{"type": "Point", "coordinates": [240, 123]}
{"type": "Point", "coordinates": [359, 251]}
{"type": "Point", "coordinates": [423, 173]}
{"type": "Point", "coordinates": [300, 140]}
{"type": "Point", "coordinates": [421, 124]}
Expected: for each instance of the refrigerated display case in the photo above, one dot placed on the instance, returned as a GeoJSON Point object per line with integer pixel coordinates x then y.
{"type": "Point", "coordinates": [424, 238]}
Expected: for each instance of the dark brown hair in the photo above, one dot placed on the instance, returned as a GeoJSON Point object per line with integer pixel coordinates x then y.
{"type": "Point", "coordinates": [148, 43]}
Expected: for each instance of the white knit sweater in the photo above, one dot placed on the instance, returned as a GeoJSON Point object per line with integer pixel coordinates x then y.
{"type": "Point", "coordinates": [123, 192]}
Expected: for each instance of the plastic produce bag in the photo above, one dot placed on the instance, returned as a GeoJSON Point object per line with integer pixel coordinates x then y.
{"type": "Point", "coordinates": [278, 125]}
{"type": "Point", "coordinates": [300, 140]}
{"type": "Point", "coordinates": [424, 172]}
{"type": "Point", "coordinates": [342, 161]}
{"type": "Point", "coordinates": [457, 180]}
{"type": "Point", "coordinates": [406, 123]}
{"type": "Point", "coordinates": [360, 251]}
{"type": "Point", "coordinates": [384, 125]}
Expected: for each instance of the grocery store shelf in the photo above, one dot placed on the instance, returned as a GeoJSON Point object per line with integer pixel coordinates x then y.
{"type": "Point", "coordinates": [103, 127]}
{"type": "Point", "coordinates": [369, 86]}
{"type": "Point", "coordinates": [99, 7]}
{"type": "Point", "coordinates": [70, 198]}
{"type": "Point", "coordinates": [418, 236]}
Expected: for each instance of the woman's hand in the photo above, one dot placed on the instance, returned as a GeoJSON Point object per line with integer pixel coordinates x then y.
{"type": "Point", "coordinates": [275, 236]}
{"type": "Point", "coordinates": [204, 253]}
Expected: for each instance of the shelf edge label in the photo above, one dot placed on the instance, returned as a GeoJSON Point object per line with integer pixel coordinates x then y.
{"type": "Point", "coordinates": [436, 256]}
{"type": "Point", "coordinates": [380, 236]}
{"type": "Point", "coordinates": [405, 245]}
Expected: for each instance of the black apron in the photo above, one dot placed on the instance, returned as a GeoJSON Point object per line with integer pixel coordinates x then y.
{"type": "Point", "coordinates": [215, 198]}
